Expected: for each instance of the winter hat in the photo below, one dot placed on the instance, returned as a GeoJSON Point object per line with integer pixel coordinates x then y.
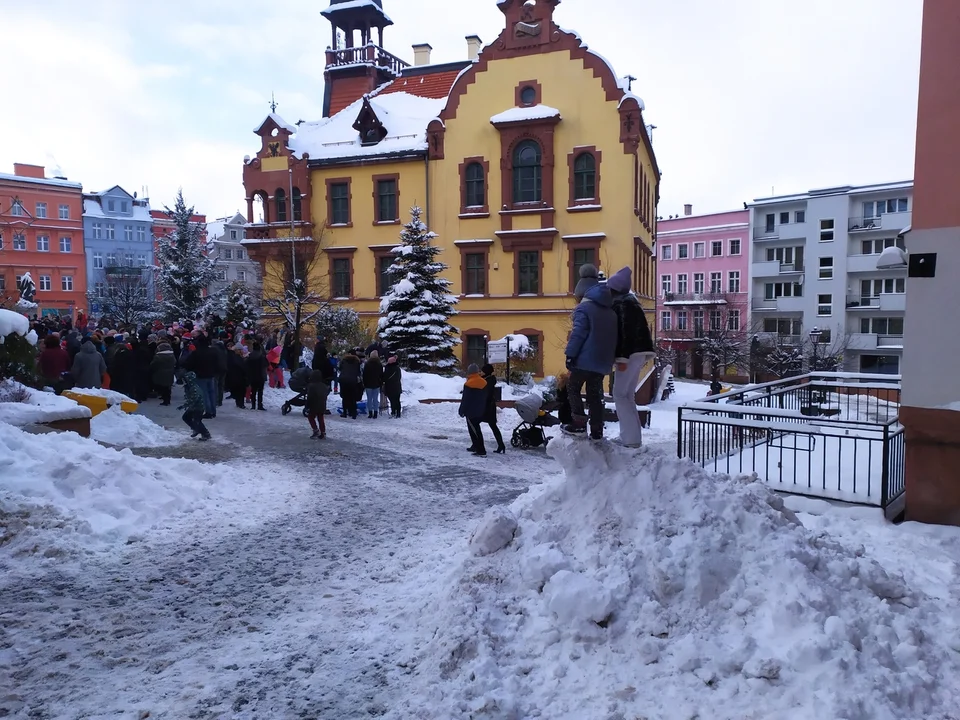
{"type": "Point", "coordinates": [472, 369]}
{"type": "Point", "coordinates": [620, 281]}
{"type": "Point", "coordinates": [374, 355]}
{"type": "Point", "coordinates": [589, 277]}
{"type": "Point", "coordinates": [487, 369]}
{"type": "Point", "coordinates": [392, 360]}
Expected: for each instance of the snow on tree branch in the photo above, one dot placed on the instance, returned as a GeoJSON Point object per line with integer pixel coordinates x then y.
{"type": "Point", "coordinates": [183, 269]}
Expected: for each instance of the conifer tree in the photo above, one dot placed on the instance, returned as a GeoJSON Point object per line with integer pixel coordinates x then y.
{"type": "Point", "coordinates": [183, 269]}
{"type": "Point", "coordinates": [240, 306]}
{"type": "Point", "coordinates": [416, 311]}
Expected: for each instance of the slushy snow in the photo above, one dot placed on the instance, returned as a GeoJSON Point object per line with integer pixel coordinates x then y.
{"type": "Point", "coordinates": [640, 585]}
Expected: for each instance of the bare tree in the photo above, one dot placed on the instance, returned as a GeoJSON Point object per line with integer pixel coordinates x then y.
{"type": "Point", "coordinates": [787, 355]}
{"type": "Point", "coordinates": [126, 297]}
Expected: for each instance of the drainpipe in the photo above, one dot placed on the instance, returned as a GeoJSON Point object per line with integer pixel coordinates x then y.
{"type": "Point", "coordinates": [426, 175]}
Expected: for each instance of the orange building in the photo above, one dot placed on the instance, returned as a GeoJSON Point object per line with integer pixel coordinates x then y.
{"type": "Point", "coordinates": [41, 232]}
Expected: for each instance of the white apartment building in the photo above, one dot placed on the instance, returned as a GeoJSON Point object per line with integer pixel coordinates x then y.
{"type": "Point", "coordinates": [813, 266]}
{"type": "Point", "coordinates": [224, 236]}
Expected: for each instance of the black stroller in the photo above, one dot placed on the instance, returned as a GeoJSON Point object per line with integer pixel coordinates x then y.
{"type": "Point", "coordinates": [298, 383]}
{"type": "Point", "coordinates": [529, 433]}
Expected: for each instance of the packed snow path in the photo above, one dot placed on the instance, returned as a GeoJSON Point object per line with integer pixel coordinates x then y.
{"type": "Point", "coordinates": [282, 611]}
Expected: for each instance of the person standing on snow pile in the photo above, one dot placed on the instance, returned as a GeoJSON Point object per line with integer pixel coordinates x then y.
{"type": "Point", "coordinates": [373, 383]}
{"type": "Point", "coordinates": [194, 406]}
{"type": "Point", "coordinates": [351, 386]}
{"type": "Point", "coordinates": [161, 372]}
{"type": "Point", "coordinates": [393, 385]}
{"type": "Point", "coordinates": [634, 350]}
{"type": "Point", "coordinates": [256, 376]}
{"type": "Point", "coordinates": [317, 393]}
{"type": "Point", "coordinates": [490, 409]}
{"type": "Point", "coordinates": [590, 352]}
{"type": "Point", "coordinates": [472, 408]}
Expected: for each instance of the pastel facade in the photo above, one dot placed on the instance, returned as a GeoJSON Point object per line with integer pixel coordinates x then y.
{"type": "Point", "coordinates": [814, 265]}
{"type": "Point", "coordinates": [225, 247]}
{"type": "Point", "coordinates": [703, 285]}
{"type": "Point", "coordinates": [41, 232]}
{"type": "Point", "coordinates": [931, 390]}
{"type": "Point", "coordinates": [530, 159]}
{"type": "Point", "coordinates": [118, 240]}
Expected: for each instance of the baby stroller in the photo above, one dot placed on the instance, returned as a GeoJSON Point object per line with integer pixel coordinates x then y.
{"type": "Point", "coordinates": [529, 433]}
{"type": "Point", "coordinates": [298, 383]}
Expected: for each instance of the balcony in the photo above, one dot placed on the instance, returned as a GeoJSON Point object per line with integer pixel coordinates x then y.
{"type": "Point", "coordinates": [761, 233]}
{"type": "Point", "coordinates": [772, 338]}
{"type": "Point", "coordinates": [783, 304]}
{"type": "Point", "coordinates": [872, 341]}
{"type": "Point", "coordinates": [887, 302]}
{"type": "Point", "coordinates": [773, 268]}
{"type": "Point", "coordinates": [695, 299]}
{"type": "Point", "coordinates": [866, 264]}
{"type": "Point", "coordinates": [890, 341]}
{"type": "Point", "coordinates": [369, 54]}
{"type": "Point", "coordinates": [793, 231]}
{"type": "Point", "coordinates": [890, 222]}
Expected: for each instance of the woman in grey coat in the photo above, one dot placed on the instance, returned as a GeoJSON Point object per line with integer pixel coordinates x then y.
{"type": "Point", "coordinates": [88, 367]}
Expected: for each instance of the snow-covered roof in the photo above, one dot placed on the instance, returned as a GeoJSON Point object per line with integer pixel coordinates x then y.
{"type": "Point", "coordinates": [92, 208]}
{"type": "Point", "coordinates": [404, 116]}
{"type": "Point", "coordinates": [280, 122]}
{"type": "Point", "coordinates": [40, 181]}
{"type": "Point", "coordinates": [215, 229]}
{"type": "Point", "coordinates": [521, 114]}
{"type": "Point", "coordinates": [354, 5]}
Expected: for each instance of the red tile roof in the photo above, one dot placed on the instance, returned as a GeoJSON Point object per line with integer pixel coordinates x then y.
{"type": "Point", "coordinates": [429, 85]}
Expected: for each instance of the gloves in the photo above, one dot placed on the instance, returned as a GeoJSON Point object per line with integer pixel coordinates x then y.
{"type": "Point", "coordinates": [570, 362]}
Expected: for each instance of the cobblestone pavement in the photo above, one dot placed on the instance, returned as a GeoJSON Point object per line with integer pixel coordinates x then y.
{"type": "Point", "coordinates": [288, 616]}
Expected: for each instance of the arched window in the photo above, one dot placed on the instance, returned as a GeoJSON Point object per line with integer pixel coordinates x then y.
{"type": "Point", "coordinates": [474, 190]}
{"type": "Point", "coordinates": [260, 209]}
{"type": "Point", "coordinates": [527, 173]}
{"type": "Point", "coordinates": [584, 177]}
{"type": "Point", "coordinates": [297, 205]}
{"type": "Point", "coordinates": [280, 197]}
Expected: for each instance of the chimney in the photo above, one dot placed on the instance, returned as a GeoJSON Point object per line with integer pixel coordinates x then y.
{"type": "Point", "coordinates": [421, 54]}
{"type": "Point", "coordinates": [474, 45]}
{"type": "Point", "coordinates": [30, 171]}
{"type": "Point", "coordinates": [688, 210]}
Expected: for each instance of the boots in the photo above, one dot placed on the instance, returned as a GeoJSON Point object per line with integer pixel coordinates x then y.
{"type": "Point", "coordinates": [376, 415]}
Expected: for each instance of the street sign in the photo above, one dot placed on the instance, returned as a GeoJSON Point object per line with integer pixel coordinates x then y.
{"type": "Point", "coordinates": [497, 352]}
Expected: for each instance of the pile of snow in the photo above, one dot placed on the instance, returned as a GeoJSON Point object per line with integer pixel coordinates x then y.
{"type": "Point", "coordinates": [60, 492]}
{"type": "Point", "coordinates": [37, 406]}
{"type": "Point", "coordinates": [115, 427]}
{"type": "Point", "coordinates": [111, 396]}
{"type": "Point", "coordinates": [11, 322]}
{"type": "Point", "coordinates": [642, 586]}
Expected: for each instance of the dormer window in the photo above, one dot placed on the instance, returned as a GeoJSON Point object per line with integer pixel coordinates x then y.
{"type": "Point", "coordinates": [369, 125]}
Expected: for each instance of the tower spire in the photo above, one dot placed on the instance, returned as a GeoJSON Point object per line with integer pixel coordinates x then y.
{"type": "Point", "coordinates": [273, 103]}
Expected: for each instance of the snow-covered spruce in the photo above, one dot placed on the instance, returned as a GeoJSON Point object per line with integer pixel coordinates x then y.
{"type": "Point", "coordinates": [183, 270]}
{"type": "Point", "coordinates": [240, 306]}
{"type": "Point", "coordinates": [643, 586]}
{"type": "Point", "coordinates": [416, 312]}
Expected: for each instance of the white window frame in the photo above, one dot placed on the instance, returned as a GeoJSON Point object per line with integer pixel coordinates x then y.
{"type": "Point", "coordinates": [799, 216]}
{"type": "Point", "coordinates": [666, 252]}
{"type": "Point", "coordinates": [682, 320]}
{"type": "Point", "coordinates": [713, 244]}
{"type": "Point", "coordinates": [99, 289]}
{"type": "Point", "coordinates": [733, 319]}
{"type": "Point", "coordinates": [825, 272]}
{"type": "Point", "coordinates": [683, 251]}
{"type": "Point", "coordinates": [111, 231]}
{"type": "Point", "coordinates": [97, 231]}
{"type": "Point", "coordinates": [716, 283]}
{"type": "Point", "coordinates": [44, 283]}
{"type": "Point", "coordinates": [233, 234]}
{"type": "Point", "coordinates": [41, 210]}
{"type": "Point", "coordinates": [716, 320]}
{"type": "Point", "coordinates": [733, 281]}
{"type": "Point", "coordinates": [739, 242]}
{"type": "Point", "coordinates": [68, 241]}
{"type": "Point", "coordinates": [666, 284]}
{"type": "Point", "coordinates": [242, 275]}
{"type": "Point", "coordinates": [64, 212]}
{"type": "Point", "coordinates": [141, 233]}
{"type": "Point", "coordinates": [824, 307]}
{"type": "Point", "coordinates": [98, 261]}
{"type": "Point", "coordinates": [21, 240]}
{"type": "Point", "coordinates": [228, 253]}
{"type": "Point", "coordinates": [128, 233]}
{"type": "Point", "coordinates": [141, 260]}
{"type": "Point", "coordinates": [16, 209]}
{"type": "Point", "coordinates": [222, 275]}
{"type": "Point", "coordinates": [666, 320]}
{"type": "Point", "coordinates": [699, 250]}
{"type": "Point", "coordinates": [43, 243]}
{"type": "Point", "coordinates": [825, 231]}
{"type": "Point", "coordinates": [66, 283]}
{"type": "Point", "coordinates": [698, 281]}
{"type": "Point", "coordinates": [682, 284]}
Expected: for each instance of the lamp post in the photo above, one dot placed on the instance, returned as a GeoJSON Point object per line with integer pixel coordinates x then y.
{"type": "Point", "coordinates": [815, 339]}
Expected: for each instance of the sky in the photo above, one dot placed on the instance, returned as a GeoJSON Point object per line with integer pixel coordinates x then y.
{"type": "Point", "coordinates": [749, 97]}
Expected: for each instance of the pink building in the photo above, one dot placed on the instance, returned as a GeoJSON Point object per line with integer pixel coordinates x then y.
{"type": "Point", "coordinates": [703, 269]}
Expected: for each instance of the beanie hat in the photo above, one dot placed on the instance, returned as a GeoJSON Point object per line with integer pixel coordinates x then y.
{"type": "Point", "coordinates": [620, 281]}
{"type": "Point", "coordinates": [487, 369]}
{"type": "Point", "coordinates": [589, 277]}
{"type": "Point", "coordinates": [472, 369]}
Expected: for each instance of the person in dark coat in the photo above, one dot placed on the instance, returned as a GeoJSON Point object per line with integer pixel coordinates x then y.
{"type": "Point", "coordinates": [140, 372]}
{"type": "Point", "coordinates": [88, 367]}
{"type": "Point", "coordinates": [373, 383]}
{"type": "Point", "coordinates": [256, 375]}
{"type": "Point", "coordinates": [194, 406]}
{"type": "Point", "coordinates": [237, 376]}
{"type": "Point", "coordinates": [120, 367]}
{"type": "Point", "coordinates": [564, 415]}
{"type": "Point", "coordinates": [205, 364]}
{"type": "Point", "coordinates": [53, 362]}
{"type": "Point", "coordinates": [162, 369]}
{"type": "Point", "coordinates": [591, 350]}
{"type": "Point", "coordinates": [393, 385]}
{"type": "Point", "coordinates": [351, 384]}
{"type": "Point", "coordinates": [490, 407]}
{"type": "Point", "coordinates": [73, 344]}
{"type": "Point", "coordinates": [317, 393]}
{"type": "Point", "coordinates": [221, 351]}
{"type": "Point", "coordinates": [633, 352]}
{"type": "Point", "coordinates": [473, 405]}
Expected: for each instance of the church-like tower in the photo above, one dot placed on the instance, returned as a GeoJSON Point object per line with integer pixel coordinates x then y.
{"type": "Point", "coordinates": [360, 65]}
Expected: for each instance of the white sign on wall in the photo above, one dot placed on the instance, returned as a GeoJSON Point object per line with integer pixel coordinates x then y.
{"type": "Point", "coordinates": [497, 352]}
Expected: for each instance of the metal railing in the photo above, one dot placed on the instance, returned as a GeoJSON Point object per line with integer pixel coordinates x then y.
{"type": "Point", "coordinates": [863, 301]}
{"type": "Point", "coordinates": [369, 53]}
{"type": "Point", "coordinates": [693, 298]}
{"type": "Point", "coordinates": [826, 435]}
{"type": "Point", "coordinates": [786, 268]}
{"type": "Point", "coordinates": [890, 341]}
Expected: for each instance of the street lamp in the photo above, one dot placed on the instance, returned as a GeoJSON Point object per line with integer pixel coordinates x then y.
{"type": "Point", "coordinates": [815, 339]}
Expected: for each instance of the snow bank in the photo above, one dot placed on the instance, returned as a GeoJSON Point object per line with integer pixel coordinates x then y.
{"type": "Point", "coordinates": [60, 493]}
{"type": "Point", "coordinates": [116, 427]}
{"type": "Point", "coordinates": [641, 586]}
{"type": "Point", "coordinates": [111, 396]}
{"type": "Point", "coordinates": [11, 322]}
{"type": "Point", "coordinates": [38, 407]}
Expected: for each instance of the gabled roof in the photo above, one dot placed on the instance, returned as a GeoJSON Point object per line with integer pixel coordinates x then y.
{"type": "Point", "coordinates": [278, 121]}
{"type": "Point", "coordinates": [110, 190]}
{"type": "Point", "coordinates": [429, 81]}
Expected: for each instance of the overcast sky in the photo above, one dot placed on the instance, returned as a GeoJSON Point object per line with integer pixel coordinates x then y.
{"type": "Point", "coordinates": [748, 96]}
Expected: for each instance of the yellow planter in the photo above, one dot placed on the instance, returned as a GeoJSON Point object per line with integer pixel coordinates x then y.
{"type": "Point", "coordinates": [96, 404]}
{"type": "Point", "coordinates": [129, 407]}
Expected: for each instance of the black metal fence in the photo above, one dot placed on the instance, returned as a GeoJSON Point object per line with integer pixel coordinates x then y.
{"type": "Point", "coordinates": [825, 435]}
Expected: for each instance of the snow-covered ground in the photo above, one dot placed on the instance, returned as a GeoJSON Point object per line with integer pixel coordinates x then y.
{"type": "Point", "coordinates": [276, 576]}
{"type": "Point", "coordinates": [24, 406]}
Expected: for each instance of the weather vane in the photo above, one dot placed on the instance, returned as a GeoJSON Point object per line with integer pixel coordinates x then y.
{"type": "Point", "coordinates": [273, 103]}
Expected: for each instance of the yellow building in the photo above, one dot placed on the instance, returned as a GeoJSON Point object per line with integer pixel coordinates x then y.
{"type": "Point", "coordinates": [530, 159]}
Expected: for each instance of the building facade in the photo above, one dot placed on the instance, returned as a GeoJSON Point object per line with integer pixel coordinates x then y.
{"type": "Point", "coordinates": [118, 242]}
{"type": "Point", "coordinates": [41, 232]}
{"type": "Point", "coordinates": [931, 391]}
{"type": "Point", "coordinates": [703, 289]}
{"type": "Point", "coordinates": [530, 159]}
{"type": "Point", "coordinates": [224, 242]}
{"type": "Point", "coordinates": [813, 268]}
